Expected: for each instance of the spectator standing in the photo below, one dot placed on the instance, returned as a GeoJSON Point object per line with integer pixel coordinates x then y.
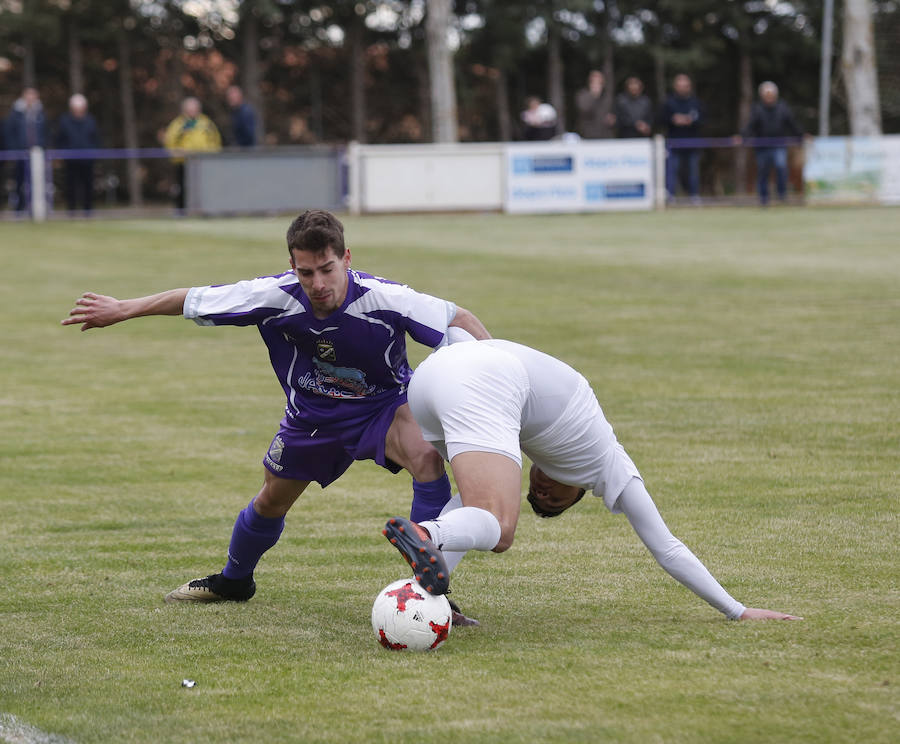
{"type": "Point", "coordinates": [26, 127]}
{"type": "Point", "coordinates": [243, 118]}
{"type": "Point", "coordinates": [682, 116]}
{"type": "Point", "coordinates": [78, 131]}
{"type": "Point", "coordinates": [634, 110]}
{"type": "Point", "coordinates": [596, 119]}
{"type": "Point", "coordinates": [771, 119]}
{"type": "Point", "coordinates": [539, 120]}
{"type": "Point", "coordinates": [191, 131]}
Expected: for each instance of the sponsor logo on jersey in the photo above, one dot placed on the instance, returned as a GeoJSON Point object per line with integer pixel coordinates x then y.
{"type": "Point", "coordinates": [347, 378]}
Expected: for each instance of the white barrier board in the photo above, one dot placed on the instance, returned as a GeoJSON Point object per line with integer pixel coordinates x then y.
{"type": "Point", "coordinates": [579, 176]}
{"type": "Point", "coordinates": [408, 178]}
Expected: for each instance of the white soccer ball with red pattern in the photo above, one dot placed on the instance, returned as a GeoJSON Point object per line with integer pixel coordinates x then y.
{"type": "Point", "coordinates": [406, 617]}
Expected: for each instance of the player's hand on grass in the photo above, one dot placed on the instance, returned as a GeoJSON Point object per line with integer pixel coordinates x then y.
{"type": "Point", "coordinates": [94, 311]}
{"type": "Point", "coordinates": [752, 613]}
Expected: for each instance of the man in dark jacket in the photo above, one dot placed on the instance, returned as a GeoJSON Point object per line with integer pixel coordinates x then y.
{"type": "Point", "coordinates": [243, 118]}
{"type": "Point", "coordinates": [771, 120]}
{"type": "Point", "coordinates": [634, 111]}
{"type": "Point", "coordinates": [682, 115]}
{"type": "Point", "coordinates": [78, 131]}
{"type": "Point", "coordinates": [595, 103]}
{"type": "Point", "coordinates": [25, 127]}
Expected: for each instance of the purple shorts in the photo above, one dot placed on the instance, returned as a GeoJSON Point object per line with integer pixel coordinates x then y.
{"type": "Point", "coordinates": [322, 454]}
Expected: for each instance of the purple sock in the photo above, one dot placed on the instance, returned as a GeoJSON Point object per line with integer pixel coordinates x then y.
{"type": "Point", "coordinates": [429, 498]}
{"type": "Point", "coordinates": [252, 536]}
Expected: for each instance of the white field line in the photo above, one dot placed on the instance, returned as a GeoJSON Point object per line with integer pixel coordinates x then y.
{"type": "Point", "coordinates": [14, 731]}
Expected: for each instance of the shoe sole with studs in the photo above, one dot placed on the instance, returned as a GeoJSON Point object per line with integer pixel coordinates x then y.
{"type": "Point", "coordinates": [423, 556]}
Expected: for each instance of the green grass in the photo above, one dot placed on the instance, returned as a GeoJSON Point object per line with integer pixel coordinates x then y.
{"type": "Point", "coordinates": [749, 361]}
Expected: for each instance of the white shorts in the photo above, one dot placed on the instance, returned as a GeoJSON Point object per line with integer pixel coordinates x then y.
{"type": "Point", "coordinates": [469, 398]}
{"type": "Point", "coordinates": [505, 398]}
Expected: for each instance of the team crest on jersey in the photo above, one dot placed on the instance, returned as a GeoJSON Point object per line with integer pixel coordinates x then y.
{"type": "Point", "coordinates": [276, 449]}
{"type": "Point", "coordinates": [325, 351]}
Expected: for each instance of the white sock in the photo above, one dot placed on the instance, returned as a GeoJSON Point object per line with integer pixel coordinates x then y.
{"type": "Point", "coordinates": [452, 557]}
{"type": "Point", "coordinates": [466, 528]}
{"type": "Point", "coordinates": [454, 503]}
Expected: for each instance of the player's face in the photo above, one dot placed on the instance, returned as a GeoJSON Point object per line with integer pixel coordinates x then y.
{"type": "Point", "coordinates": [323, 276]}
{"type": "Point", "coordinates": [549, 497]}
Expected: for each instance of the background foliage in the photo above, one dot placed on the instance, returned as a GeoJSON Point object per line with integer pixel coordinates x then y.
{"type": "Point", "coordinates": [294, 58]}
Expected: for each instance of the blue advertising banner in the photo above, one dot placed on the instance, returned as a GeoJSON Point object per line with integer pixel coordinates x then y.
{"type": "Point", "coordinates": [579, 176]}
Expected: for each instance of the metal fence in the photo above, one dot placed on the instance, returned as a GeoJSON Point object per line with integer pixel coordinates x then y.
{"type": "Point", "coordinates": [125, 181]}
{"type": "Point", "coordinates": [285, 179]}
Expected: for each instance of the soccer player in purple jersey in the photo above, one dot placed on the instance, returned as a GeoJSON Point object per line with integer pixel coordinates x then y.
{"type": "Point", "coordinates": [337, 342]}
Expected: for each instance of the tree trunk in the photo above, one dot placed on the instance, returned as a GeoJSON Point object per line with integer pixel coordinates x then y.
{"type": "Point", "coordinates": [76, 59]}
{"type": "Point", "coordinates": [504, 121]}
{"type": "Point", "coordinates": [609, 64]}
{"type": "Point", "coordinates": [659, 73]}
{"type": "Point", "coordinates": [860, 73]}
{"type": "Point", "coordinates": [315, 101]}
{"type": "Point", "coordinates": [423, 92]}
{"type": "Point", "coordinates": [250, 74]}
{"type": "Point", "coordinates": [440, 70]}
{"type": "Point", "coordinates": [29, 78]}
{"type": "Point", "coordinates": [555, 88]}
{"type": "Point", "coordinates": [129, 119]}
{"type": "Point", "coordinates": [745, 104]}
{"type": "Point", "coordinates": [357, 79]}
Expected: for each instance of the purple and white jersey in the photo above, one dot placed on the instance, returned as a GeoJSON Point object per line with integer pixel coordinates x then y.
{"type": "Point", "coordinates": [339, 369]}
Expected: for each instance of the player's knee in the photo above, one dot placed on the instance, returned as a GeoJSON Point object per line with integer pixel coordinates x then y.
{"type": "Point", "coordinates": [507, 534]}
{"type": "Point", "coordinates": [426, 465]}
{"type": "Point", "coordinates": [268, 506]}
{"type": "Point", "coordinates": [276, 496]}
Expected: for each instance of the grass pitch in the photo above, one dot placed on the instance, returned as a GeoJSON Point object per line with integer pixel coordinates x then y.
{"type": "Point", "coordinates": [748, 360]}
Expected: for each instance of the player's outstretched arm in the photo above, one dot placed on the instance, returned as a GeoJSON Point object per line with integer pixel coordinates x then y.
{"type": "Point", "coordinates": [98, 311]}
{"type": "Point", "coordinates": [678, 560]}
{"type": "Point", "coordinates": [469, 322]}
{"type": "Point", "coordinates": [753, 613]}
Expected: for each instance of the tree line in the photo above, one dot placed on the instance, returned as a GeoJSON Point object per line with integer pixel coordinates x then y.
{"type": "Point", "coordinates": [384, 72]}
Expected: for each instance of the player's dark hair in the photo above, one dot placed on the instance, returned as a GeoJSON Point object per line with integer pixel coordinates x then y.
{"type": "Point", "coordinates": [543, 511]}
{"type": "Point", "coordinates": [314, 231]}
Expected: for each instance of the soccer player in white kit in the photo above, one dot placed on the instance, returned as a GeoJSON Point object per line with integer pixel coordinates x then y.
{"type": "Point", "coordinates": [481, 403]}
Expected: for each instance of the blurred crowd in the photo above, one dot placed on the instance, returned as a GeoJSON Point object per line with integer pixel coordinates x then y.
{"type": "Point", "coordinates": [600, 114]}
{"type": "Point", "coordinates": [76, 133]}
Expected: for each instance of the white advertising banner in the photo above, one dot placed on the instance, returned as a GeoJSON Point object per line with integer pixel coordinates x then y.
{"type": "Point", "coordinates": [579, 176]}
{"type": "Point", "coordinates": [433, 177]}
{"type": "Point", "coordinates": [853, 169]}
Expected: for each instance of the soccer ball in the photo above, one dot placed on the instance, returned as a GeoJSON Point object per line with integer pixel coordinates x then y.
{"type": "Point", "coordinates": [405, 616]}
